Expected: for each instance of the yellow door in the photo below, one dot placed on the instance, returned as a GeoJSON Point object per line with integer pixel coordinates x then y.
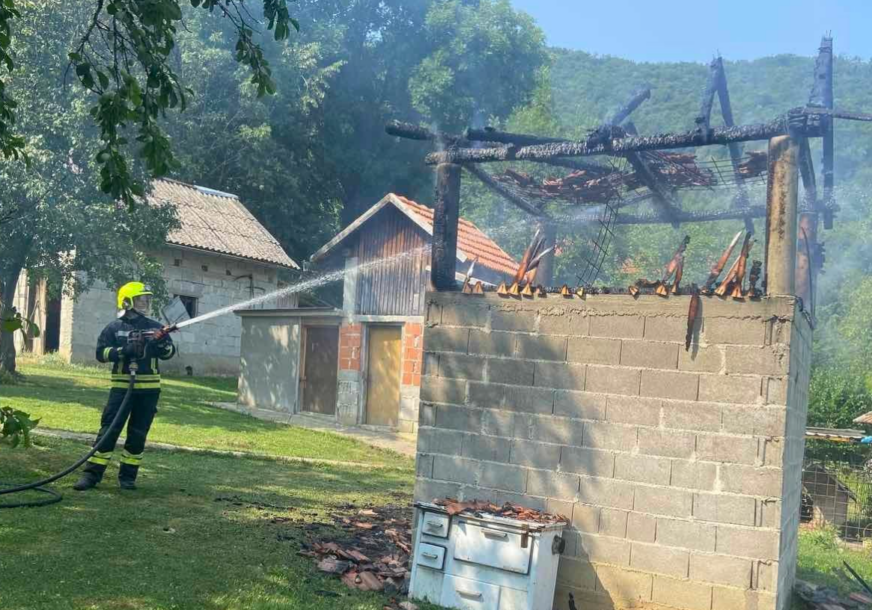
{"type": "Point", "coordinates": [383, 376]}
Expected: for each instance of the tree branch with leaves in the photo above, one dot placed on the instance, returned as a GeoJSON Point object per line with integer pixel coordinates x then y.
{"type": "Point", "coordinates": [123, 58]}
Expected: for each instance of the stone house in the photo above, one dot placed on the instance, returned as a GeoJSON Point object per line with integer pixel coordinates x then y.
{"type": "Point", "coordinates": [220, 255]}
{"type": "Point", "coordinates": [361, 364]}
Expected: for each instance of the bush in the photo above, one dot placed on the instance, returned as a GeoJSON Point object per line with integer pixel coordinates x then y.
{"type": "Point", "coordinates": [837, 394]}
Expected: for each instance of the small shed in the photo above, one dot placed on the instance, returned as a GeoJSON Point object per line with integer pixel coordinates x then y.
{"type": "Point", "coordinates": [829, 496]}
{"type": "Point", "coordinates": [371, 350]}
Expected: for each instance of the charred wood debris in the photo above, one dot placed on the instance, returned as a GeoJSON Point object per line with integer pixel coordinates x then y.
{"type": "Point", "coordinates": [739, 283]}
{"type": "Point", "coordinates": [819, 597]}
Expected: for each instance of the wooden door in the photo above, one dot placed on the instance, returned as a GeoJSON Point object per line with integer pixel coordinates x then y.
{"type": "Point", "coordinates": [383, 376]}
{"type": "Point", "coordinates": [320, 363]}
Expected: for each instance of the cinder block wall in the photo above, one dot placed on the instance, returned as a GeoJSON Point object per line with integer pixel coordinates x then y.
{"type": "Point", "coordinates": [680, 470]}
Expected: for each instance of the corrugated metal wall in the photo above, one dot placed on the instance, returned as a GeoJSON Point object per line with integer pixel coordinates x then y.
{"type": "Point", "coordinates": [395, 288]}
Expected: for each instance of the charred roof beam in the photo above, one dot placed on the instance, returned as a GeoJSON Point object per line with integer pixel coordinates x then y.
{"type": "Point", "coordinates": [662, 197]}
{"type": "Point", "coordinates": [498, 188]}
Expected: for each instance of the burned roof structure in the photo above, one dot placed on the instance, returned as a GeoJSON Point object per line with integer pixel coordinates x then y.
{"type": "Point", "coordinates": [636, 168]}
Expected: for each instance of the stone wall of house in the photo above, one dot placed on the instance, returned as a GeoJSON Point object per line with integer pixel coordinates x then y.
{"type": "Point", "coordinates": [211, 347]}
{"type": "Point", "coordinates": [679, 470]}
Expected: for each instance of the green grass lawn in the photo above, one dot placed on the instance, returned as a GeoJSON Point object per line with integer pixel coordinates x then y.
{"type": "Point", "coordinates": [72, 398]}
{"type": "Point", "coordinates": [173, 545]}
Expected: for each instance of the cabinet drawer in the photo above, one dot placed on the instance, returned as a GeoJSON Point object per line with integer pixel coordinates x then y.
{"type": "Point", "coordinates": [434, 524]}
{"type": "Point", "coordinates": [469, 594]}
{"type": "Point", "coordinates": [492, 547]}
{"type": "Point", "coordinates": [431, 556]}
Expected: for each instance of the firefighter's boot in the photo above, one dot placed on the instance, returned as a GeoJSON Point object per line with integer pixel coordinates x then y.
{"type": "Point", "coordinates": [127, 473]}
{"type": "Point", "coordinates": [92, 474]}
{"type": "Point", "coordinates": [87, 481]}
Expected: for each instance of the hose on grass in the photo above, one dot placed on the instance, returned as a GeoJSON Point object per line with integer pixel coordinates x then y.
{"type": "Point", "coordinates": [53, 496]}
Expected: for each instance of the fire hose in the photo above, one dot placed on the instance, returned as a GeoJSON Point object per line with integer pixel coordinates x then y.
{"type": "Point", "coordinates": [117, 422]}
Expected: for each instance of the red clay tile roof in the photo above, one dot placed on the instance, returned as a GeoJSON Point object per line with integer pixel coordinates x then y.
{"type": "Point", "coordinates": [217, 222]}
{"type": "Point", "coordinates": [471, 242]}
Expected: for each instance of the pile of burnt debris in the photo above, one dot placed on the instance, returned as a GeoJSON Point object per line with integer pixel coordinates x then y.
{"type": "Point", "coordinates": [369, 550]}
{"type": "Point", "coordinates": [507, 510]}
{"type": "Point", "coordinates": [827, 598]}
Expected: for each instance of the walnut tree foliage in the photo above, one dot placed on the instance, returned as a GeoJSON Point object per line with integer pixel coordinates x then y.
{"type": "Point", "coordinates": [124, 58]}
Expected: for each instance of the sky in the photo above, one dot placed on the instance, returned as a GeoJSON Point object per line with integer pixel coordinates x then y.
{"type": "Point", "coordinates": [697, 30]}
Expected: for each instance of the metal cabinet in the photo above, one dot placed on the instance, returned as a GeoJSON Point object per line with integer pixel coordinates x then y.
{"type": "Point", "coordinates": [484, 562]}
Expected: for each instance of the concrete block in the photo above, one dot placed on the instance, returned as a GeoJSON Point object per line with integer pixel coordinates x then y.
{"type": "Point", "coordinates": [744, 360]}
{"type": "Point", "coordinates": [601, 549]}
{"type": "Point", "coordinates": [458, 366]}
{"type": "Point", "coordinates": [665, 502]}
{"type": "Point", "coordinates": [666, 443]}
{"type": "Point", "coordinates": [552, 485]}
{"type": "Point", "coordinates": [686, 534]}
{"type": "Point", "coordinates": [594, 350]}
{"type": "Point", "coordinates": [585, 518]}
{"type": "Point", "coordinates": [600, 435]}
{"type": "Point", "coordinates": [684, 594]}
{"type": "Point", "coordinates": [587, 462]}
{"type": "Point", "coordinates": [731, 571]}
{"type": "Point", "coordinates": [613, 380]}
{"type": "Point", "coordinates": [427, 415]}
{"type": "Point", "coordinates": [576, 573]}
{"type": "Point", "coordinates": [514, 372]}
{"type": "Point", "coordinates": [456, 469]}
{"type": "Point", "coordinates": [560, 376]}
{"type": "Point", "coordinates": [465, 314]}
{"type": "Point", "coordinates": [696, 475]}
{"type": "Point", "coordinates": [737, 389]}
{"type": "Point", "coordinates": [607, 493]}
{"type": "Point", "coordinates": [427, 490]}
{"type": "Point", "coordinates": [729, 598]}
{"type": "Point", "coordinates": [492, 344]}
{"type": "Point", "coordinates": [751, 481]}
{"type": "Point", "coordinates": [759, 421]}
{"type": "Point", "coordinates": [424, 466]}
{"type": "Point", "coordinates": [438, 389]}
{"type": "Point", "coordinates": [622, 586]}
{"type": "Point", "coordinates": [444, 339]}
{"type": "Point", "coordinates": [666, 328]}
{"type": "Point", "coordinates": [668, 384]}
{"type": "Point", "coordinates": [501, 497]}
{"type": "Point", "coordinates": [764, 575]}
{"type": "Point", "coordinates": [504, 476]}
{"type": "Point", "coordinates": [734, 331]}
{"type": "Point", "coordinates": [535, 455]}
{"type": "Point", "coordinates": [701, 359]}
{"type": "Point", "coordinates": [768, 514]}
{"type": "Point", "coordinates": [641, 527]}
{"type": "Point", "coordinates": [775, 390]}
{"type": "Point", "coordinates": [613, 523]}
{"type": "Point", "coordinates": [730, 449]}
{"type": "Point", "coordinates": [633, 410]}
{"type": "Point", "coordinates": [498, 423]}
{"type": "Point", "coordinates": [560, 507]}
{"type": "Point", "coordinates": [542, 348]}
{"type": "Point", "coordinates": [617, 326]}
{"type": "Point", "coordinates": [489, 448]}
{"type": "Point", "coordinates": [550, 429]}
{"type": "Point", "coordinates": [433, 440]}
{"type": "Point", "coordinates": [701, 416]}
{"type": "Point", "coordinates": [752, 543]}
{"type": "Point", "coordinates": [523, 321]}
{"type": "Point", "coordinates": [582, 405]}
{"type": "Point", "coordinates": [574, 324]}
{"type": "Point", "coordinates": [642, 469]}
{"type": "Point", "coordinates": [659, 560]}
{"type": "Point", "coordinates": [723, 508]}
{"type": "Point", "coordinates": [528, 400]}
{"type": "Point", "coordinates": [649, 354]}
{"type": "Point", "coordinates": [458, 418]}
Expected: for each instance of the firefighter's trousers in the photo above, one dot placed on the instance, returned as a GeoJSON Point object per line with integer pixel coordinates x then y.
{"type": "Point", "coordinates": [143, 406]}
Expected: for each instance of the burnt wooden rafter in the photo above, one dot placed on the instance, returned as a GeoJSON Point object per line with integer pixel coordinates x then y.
{"type": "Point", "coordinates": [806, 171]}
{"type": "Point", "coordinates": [703, 120]}
{"type": "Point", "coordinates": [498, 188]}
{"type": "Point", "coordinates": [822, 97]}
{"type": "Point", "coordinates": [662, 197]}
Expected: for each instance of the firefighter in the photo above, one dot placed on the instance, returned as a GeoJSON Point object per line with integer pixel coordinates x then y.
{"type": "Point", "coordinates": [120, 344]}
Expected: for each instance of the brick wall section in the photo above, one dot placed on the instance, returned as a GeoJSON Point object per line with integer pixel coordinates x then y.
{"type": "Point", "coordinates": [680, 471]}
{"type": "Point", "coordinates": [410, 387]}
{"type": "Point", "coordinates": [350, 342]}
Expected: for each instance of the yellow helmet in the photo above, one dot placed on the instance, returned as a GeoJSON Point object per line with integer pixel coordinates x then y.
{"type": "Point", "coordinates": [130, 290]}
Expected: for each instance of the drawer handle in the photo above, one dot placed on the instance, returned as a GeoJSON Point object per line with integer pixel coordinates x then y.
{"type": "Point", "coordinates": [469, 594]}
{"type": "Point", "coordinates": [492, 534]}
{"type": "Point", "coordinates": [430, 555]}
{"type": "Point", "coordinates": [435, 525]}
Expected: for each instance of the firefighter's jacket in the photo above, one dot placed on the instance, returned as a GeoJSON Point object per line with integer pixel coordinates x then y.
{"type": "Point", "coordinates": [110, 348]}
